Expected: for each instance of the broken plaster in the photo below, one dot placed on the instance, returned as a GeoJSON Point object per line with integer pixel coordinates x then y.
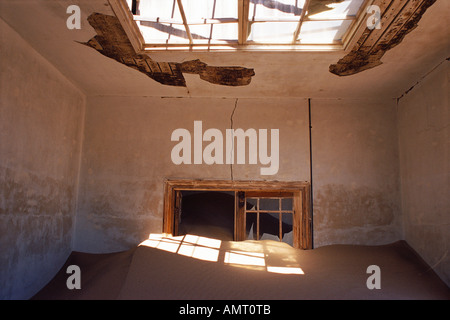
{"type": "Point", "coordinates": [112, 41]}
{"type": "Point", "coordinates": [373, 44]}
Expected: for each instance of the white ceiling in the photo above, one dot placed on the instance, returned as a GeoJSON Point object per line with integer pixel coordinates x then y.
{"type": "Point", "coordinates": [42, 23]}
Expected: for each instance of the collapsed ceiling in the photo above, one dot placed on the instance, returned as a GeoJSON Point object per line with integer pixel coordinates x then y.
{"type": "Point", "coordinates": [397, 20]}
{"type": "Point", "coordinates": [42, 24]}
{"type": "Point", "coordinates": [112, 41]}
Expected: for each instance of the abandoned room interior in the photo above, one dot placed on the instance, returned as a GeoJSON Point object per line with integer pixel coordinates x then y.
{"type": "Point", "coordinates": [224, 149]}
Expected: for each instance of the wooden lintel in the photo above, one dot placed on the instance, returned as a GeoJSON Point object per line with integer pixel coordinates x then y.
{"type": "Point", "coordinates": [227, 185]}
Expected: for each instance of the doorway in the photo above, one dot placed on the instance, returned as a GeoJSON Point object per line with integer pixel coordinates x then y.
{"type": "Point", "coordinates": [207, 213]}
{"type": "Point", "coordinates": [239, 210]}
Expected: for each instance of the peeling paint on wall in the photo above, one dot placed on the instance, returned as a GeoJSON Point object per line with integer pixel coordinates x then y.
{"type": "Point", "coordinates": [112, 41]}
{"type": "Point", "coordinates": [397, 20]}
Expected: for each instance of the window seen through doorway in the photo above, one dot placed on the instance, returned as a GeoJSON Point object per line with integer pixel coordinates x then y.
{"type": "Point", "coordinates": [269, 218]}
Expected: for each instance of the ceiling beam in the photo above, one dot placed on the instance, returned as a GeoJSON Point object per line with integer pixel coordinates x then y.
{"type": "Point", "coordinates": [209, 21]}
{"type": "Point", "coordinates": [243, 7]}
{"type": "Point", "coordinates": [123, 13]}
{"type": "Point", "coordinates": [186, 26]}
{"type": "Point", "coordinates": [191, 22]}
{"type": "Point", "coordinates": [300, 22]}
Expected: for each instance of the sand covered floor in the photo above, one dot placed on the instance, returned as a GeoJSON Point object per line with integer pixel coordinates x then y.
{"type": "Point", "coordinates": [194, 267]}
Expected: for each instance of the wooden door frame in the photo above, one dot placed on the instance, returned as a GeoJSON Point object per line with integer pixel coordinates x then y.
{"type": "Point", "coordinates": [302, 229]}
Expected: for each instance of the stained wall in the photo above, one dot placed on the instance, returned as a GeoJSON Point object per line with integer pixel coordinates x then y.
{"type": "Point", "coordinates": [127, 157]}
{"type": "Point", "coordinates": [355, 169]}
{"type": "Point", "coordinates": [41, 116]}
{"type": "Point", "coordinates": [424, 140]}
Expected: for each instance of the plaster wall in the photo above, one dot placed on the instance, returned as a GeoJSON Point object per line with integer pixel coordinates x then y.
{"type": "Point", "coordinates": [424, 140]}
{"type": "Point", "coordinates": [355, 172]}
{"type": "Point", "coordinates": [127, 156]}
{"type": "Point", "coordinates": [40, 134]}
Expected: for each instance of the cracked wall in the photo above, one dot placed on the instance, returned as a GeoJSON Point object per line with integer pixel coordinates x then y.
{"type": "Point", "coordinates": [127, 157]}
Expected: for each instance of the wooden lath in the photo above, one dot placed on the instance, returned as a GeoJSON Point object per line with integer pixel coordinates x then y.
{"type": "Point", "coordinates": [398, 18]}
{"type": "Point", "coordinates": [405, 14]}
{"type": "Point", "coordinates": [390, 10]}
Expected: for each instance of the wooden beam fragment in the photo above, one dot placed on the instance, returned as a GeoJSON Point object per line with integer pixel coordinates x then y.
{"type": "Point", "coordinates": [112, 42]}
{"type": "Point", "coordinates": [398, 18]}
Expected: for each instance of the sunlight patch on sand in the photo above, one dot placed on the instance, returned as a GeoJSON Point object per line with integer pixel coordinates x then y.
{"type": "Point", "coordinates": [245, 258]}
{"type": "Point", "coordinates": [285, 270]}
{"type": "Point", "coordinates": [257, 255]}
{"type": "Point", "coordinates": [193, 246]}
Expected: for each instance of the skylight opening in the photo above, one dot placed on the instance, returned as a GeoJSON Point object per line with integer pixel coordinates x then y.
{"type": "Point", "coordinates": [243, 24]}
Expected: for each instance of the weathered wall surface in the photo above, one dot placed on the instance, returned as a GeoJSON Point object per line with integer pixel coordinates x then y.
{"type": "Point", "coordinates": [40, 130]}
{"type": "Point", "coordinates": [355, 172]}
{"type": "Point", "coordinates": [127, 156]}
{"type": "Point", "coordinates": [424, 139]}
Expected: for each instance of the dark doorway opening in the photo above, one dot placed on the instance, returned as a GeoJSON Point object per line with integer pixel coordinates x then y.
{"type": "Point", "coordinates": [208, 214]}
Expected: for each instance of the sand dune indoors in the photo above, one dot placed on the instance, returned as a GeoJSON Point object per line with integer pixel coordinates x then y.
{"type": "Point", "coordinates": [195, 267]}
